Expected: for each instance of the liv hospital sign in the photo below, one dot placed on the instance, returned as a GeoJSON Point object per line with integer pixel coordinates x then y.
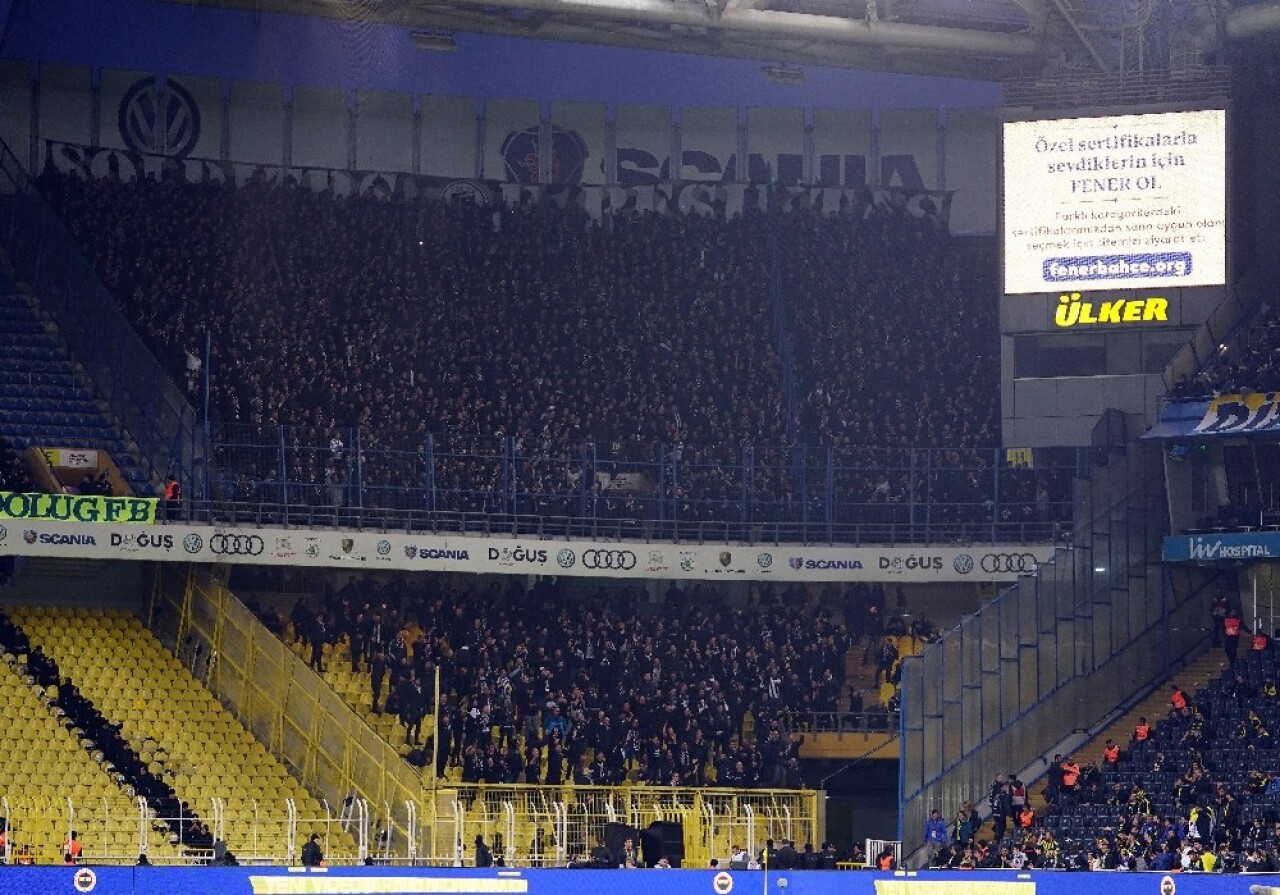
{"type": "Point", "coordinates": [519, 556]}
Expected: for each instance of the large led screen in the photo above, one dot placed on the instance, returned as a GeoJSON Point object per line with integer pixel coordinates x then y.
{"type": "Point", "coordinates": [1122, 202]}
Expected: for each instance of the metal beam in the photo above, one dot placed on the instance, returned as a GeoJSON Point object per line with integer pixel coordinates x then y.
{"type": "Point", "coordinates": [1081, 36]}
{"type": "Point", "coordinates": [827, 29]}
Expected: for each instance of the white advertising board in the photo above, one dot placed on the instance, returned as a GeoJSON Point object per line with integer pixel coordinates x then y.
{"type": "Point", "coordinates": [1121, 202]}
{"type": "Point", "coordinates": [523, 556]}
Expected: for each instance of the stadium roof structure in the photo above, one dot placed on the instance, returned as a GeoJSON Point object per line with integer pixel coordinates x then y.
{"type": "Point", "coordinates": [982, 39]}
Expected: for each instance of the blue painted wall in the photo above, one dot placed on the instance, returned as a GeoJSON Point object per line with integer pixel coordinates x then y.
{"type": "Point", "coordinates": [178, 38]}
{"type": "Point", "coordinates": [244, 880]}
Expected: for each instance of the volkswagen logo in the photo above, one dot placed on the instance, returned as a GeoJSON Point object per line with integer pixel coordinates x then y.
{"type": "Point", "coordinates": [1009, 562]}
{"type": "Point", "coordinates": [159, 121]}
{"type": "Point", "coordinates": [236, 545]}
{"type": "Point", "coordinates": [764, 560]}
{"type": "Point", "coordinates": [192, 543]}
{"type": "Point", "coordinates": [565, 558]}
{"type": "Point", "coordinates": [619, 560]}
{"type": "Point", "coordinates": [963, 564]}
{"type": "Point", "coordinates": [4, 533]}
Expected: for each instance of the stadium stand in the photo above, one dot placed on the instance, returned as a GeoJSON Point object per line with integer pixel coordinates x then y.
{"type": "Point", "coordinates": [1255, 367]}
{"type": "Point", "coordinates": [549, 687]}
{"type": "Point", "coordinates": [501, 343]}
{"type": "Point", "coordinates": [13, 477]}
{"type": "Point", "coordinates": [44, 401]}
{"type": "Point", "coordinates": [1198, 789]}
{"type": "Point", "coordinates": [35, 793]}
{"type": "Point", "coordinates": [175, 733]}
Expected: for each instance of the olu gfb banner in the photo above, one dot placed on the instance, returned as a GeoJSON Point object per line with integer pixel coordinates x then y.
{"type": "Point", "coordinates": [77, 508]}
{"type": "Point", "coordinates": [515, 556]}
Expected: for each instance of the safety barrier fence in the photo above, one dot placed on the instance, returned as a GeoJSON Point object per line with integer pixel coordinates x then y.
{"type": "Point", "coordinates": [525, 826]}
{"type": "Point", "coordinates": [297, 476]}
{"type": "Point", "coordinates": [409, 813]}
{"type": "Point", "coordinates": [249, 513]}
{"type": "Point", "coordinates": [1056, 652]}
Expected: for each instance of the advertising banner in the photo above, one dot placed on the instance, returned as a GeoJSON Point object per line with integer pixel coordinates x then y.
{"type": "Point", "coordinates": [1241, 415]}
{"type": "Point", "coordinates": [78, 508]}
{"type": "Point", "coordinates": [1222, 547]}
{"type": "Point", "coordinates": [72, 458]}
{"type": "Point", "coordinates": [520, 556]}
{"type": "Point", "coordinates": [1121, 202]}
{"type": "Point", "coordinates": [275, 880]}
{"type": "Point", "coordinates": [714, 197]}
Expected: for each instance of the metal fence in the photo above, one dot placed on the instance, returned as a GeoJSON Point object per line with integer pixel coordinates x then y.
{"type": "Point", "coordinates": [46, 257]}
{"type": "Point", "coordinates": [1054, 653]}
{"type": "Point", "coordinates": [295, 476]}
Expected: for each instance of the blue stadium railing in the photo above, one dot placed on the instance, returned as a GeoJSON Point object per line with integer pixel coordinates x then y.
{"type": "Point", "coordinates": [293, 476]}
{"type": "Point", "coordinates": [46, 257]}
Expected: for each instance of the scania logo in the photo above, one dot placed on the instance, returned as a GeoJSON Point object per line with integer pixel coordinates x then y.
{"type": "Point", "coordinates": [1008, 562]}
{"type": "Point", "coordinates": [29, 536]}
{"type": "Point", "coordinates": [236, 545]}
{"type": "Point", "coordinates": [192, 543]}
{"type": "Point", "coordinates": [410, 551]}
{"type": "Point", "coordinates": [565, 558]}
{"type": "Point", "coordinates": [619, 560]}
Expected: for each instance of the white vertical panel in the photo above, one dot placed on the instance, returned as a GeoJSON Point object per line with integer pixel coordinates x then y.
{"type": "Point", "coordinates": [116, 87]}
{"type": "Point", "coordinates": [511, 140]}
{"type": "Point", "coordinates": [384, 132]}
{"type": "Point", "coordinates": [15, 107]}
{"type": "Point", "coordinates": [776, 141]}
{"type": "Point", "coordinates": [710, 141]}
{"type": "Point", "coordinates": [64, 103]}
{"type": "Point", "coordinates": [842, 146]}
{"type": "Point", "coordinates": [206, 96]}
{"type": "Point", "coordinates": [644, 140]}
{"type": "Point", "coordinates": [319, 128]}
{"type": "Point", "coordinates": [578, 130]}
{"type": "Point", "coordinates": [257, 123]}
{"type": "Point", "coordinates": [448, 136]}
{"type": "Point", "coordinates": [909, 146]}
{"type": "Point", "coordinates": [973, 169]}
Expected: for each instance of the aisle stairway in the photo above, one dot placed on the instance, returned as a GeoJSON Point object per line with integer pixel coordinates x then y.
{"type": "Point", "coordinates": [1198, 671]}
{"type": "Point", "coordinates": [44, 400]}
{"type": "Point", "coordinates": [188, 737]}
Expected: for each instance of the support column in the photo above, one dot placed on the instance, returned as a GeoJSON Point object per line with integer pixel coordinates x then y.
{"type": "Point", "coordinates": [224, 122]}
{"type": "Point", "coordinates": [95, 106]}
{"type": "Point", "coordinates": [286, 145]}
{"type": "Point", "coordinates": [480, 137]}
{"type": "Point", "coordinates": [353, 119]}
{"type": "Point", "coordinates": [415, 136]}
{"type": "Point", "coordinates": [545, 147]}
{"type": "Point", "coordinates": [610, 172]}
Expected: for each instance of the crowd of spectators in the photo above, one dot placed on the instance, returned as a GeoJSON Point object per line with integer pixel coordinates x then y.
{"type": "Point", "coordinates": [531, 331]}
{"type": "Point", "coordinates": [1255, 367]}
{"type": "Point", "coordinates": [543, 686]}
{"type": "Point", "coordinates": [1197, 791]}
{"type": "Point", "coordinates": [13, 475]}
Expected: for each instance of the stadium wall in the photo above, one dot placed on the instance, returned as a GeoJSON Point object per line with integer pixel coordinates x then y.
{"type": "Point", "coordinates": [48, 109]}
{"type": "Point", "coordinates": [336, 881]}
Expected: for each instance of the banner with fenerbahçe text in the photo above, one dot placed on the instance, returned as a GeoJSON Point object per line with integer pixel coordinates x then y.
{"type": "Point", "coordinates": [78, 508]}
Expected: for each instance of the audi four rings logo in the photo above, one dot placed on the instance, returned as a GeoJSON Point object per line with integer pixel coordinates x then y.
{"type": "Point", "coordinates": [1009, 562]}
{"type": "Point", "coordinates": [237, 545]}
{"type": "Point", "coordinates": [621, 560]}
